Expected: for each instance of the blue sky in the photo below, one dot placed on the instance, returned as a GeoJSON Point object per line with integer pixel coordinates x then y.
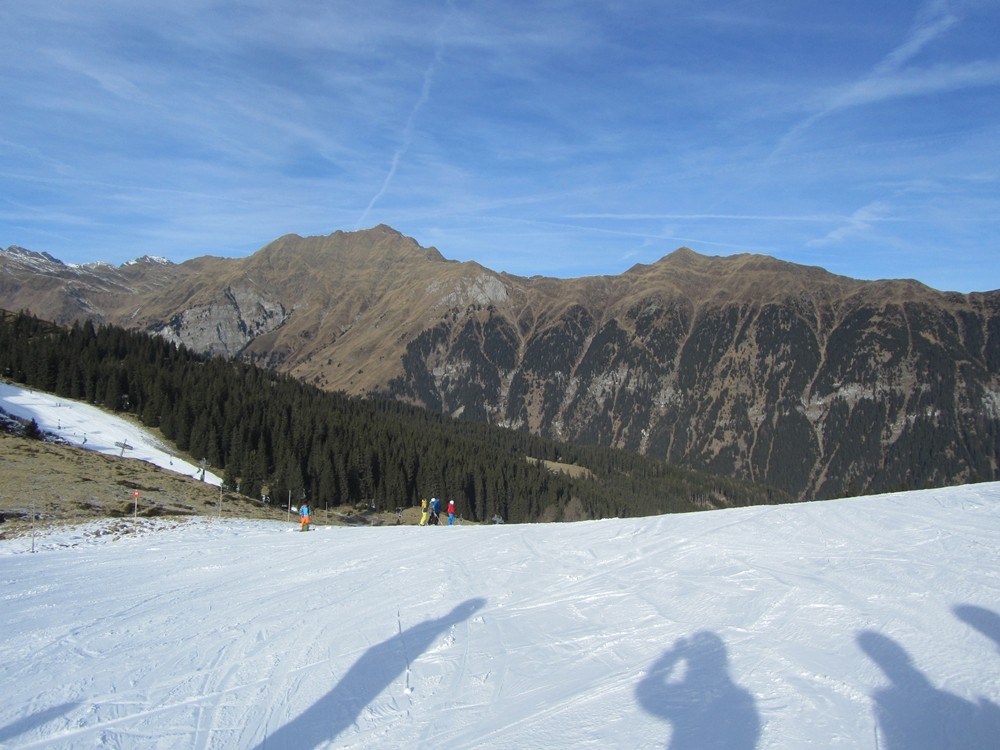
{"type": "Point", "coordinates": [544, 137]}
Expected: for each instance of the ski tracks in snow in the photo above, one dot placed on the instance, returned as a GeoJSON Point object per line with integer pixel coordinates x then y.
{"type": "Point", "coordinates": [588, 635]}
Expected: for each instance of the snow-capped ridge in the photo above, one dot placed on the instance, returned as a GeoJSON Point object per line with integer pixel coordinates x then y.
{"type": "Point", "coordinates": [31, 258]}
{"type": "Point", "coordinates": [149, 259]}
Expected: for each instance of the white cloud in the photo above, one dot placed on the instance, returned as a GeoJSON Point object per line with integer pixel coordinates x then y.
{"type": "Point", "coordinates": [858, 224]}
{"type": "Point", "coordinates": [917, 82]}
{"type": "Point", "coordinates": [890, 79]}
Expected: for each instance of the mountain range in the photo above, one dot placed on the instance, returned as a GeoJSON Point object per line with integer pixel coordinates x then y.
{"type": "Point", "coordinates": [817, 384]}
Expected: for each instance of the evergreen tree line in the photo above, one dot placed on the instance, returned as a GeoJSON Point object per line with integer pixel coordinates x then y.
{"type": "Point", "coordinates": [272, 435]}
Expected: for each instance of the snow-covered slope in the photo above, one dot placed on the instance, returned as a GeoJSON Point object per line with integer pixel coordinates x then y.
{"type": "Point", "coordinates": [88, 427]}
{"type": "Point", "coordinates": [865, 623]}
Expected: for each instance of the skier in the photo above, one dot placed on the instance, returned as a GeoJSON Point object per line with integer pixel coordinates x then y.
{"type": "Point", "coordinates": [451, 512]}
{"type": "Point", "coordinates": [435, 511]}
{"type": "Point", "coordinates": [423, 512]}
{"type": "Point", "coordinates": [304, 515]}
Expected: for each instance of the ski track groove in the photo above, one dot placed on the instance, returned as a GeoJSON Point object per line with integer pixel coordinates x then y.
{"type": "Point", "coordinates": [552, 660]}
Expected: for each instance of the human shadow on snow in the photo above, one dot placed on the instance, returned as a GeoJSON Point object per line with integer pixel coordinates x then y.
{"type": "Point", "coordinates": [26, 724]}
{"type": "Point", "coordinates": [370, 675]}
{"type": "Point", "coordinates": [706, 709]}
{"type": "Point", "coordinates": [982, 619]}
{"type": "Point", "coordinates": [912, 714]}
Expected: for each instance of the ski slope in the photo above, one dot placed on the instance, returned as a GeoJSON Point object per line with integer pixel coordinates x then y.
{"type": "Point", "coordinates": [864, 623]}
{"type": "Point", "coordinates": [89, 427]}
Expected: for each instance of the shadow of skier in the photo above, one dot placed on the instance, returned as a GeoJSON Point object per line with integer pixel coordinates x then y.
{"type": "Point", "coordinates": [982, 619]}
{"type": "Point", "coordinates": [370, 675]}
{"type": "Point", "coordinates": [26, 724]}
{"type": "Point", "coordinates": [914, 715]}
{"type": "Point", "coordinates": [705, 708]}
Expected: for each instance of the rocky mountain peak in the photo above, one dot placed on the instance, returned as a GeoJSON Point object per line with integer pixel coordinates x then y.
{"type": "Point", "coordinates": [746, 365]}
{"type": "Point", "coordinates": [22, 255]}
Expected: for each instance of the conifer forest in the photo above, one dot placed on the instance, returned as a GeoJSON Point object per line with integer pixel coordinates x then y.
{"type": "Point", "coordinates": [272, 436]}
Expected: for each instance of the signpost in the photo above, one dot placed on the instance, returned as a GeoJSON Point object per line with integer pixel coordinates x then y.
{"type": "Point", "coordinates": [135, 505]}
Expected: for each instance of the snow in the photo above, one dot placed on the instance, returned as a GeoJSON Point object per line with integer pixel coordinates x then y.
{"type": "Point", "coordinates": [89, 427]}
{"type": "Point", "coordinates": [861, 623]}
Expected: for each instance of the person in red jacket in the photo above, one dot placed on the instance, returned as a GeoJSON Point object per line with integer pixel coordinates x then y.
{"type": "Point", "coordinates": [451, 512]}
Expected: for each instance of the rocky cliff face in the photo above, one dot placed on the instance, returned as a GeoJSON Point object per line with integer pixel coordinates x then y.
{"type": "Point", "coordinates": [817, 384]}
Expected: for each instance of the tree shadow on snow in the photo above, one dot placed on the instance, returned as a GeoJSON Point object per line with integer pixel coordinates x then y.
{"type": "Point", "coordinates": [21, 726]}
{"type": "Point", "coordinates": [982, 619]}
{"type": "Point", "coordinates": [706, 709]}
{"type": "Point", "coordinates": [370, 675]}
{"type": "Point", "coordinates": [914, 715]}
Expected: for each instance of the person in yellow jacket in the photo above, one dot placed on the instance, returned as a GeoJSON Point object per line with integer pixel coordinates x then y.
{"type": "Point", "coordinates": [423, 512]}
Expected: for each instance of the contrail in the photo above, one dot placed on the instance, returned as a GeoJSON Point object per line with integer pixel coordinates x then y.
{"type": "Point", "coordinates": [933, 20]}
{"type": "Point", "coordinates": [425, 93]}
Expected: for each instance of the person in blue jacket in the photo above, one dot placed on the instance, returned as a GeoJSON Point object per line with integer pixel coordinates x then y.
{"type": "Point", "coordinates": [304, 516]}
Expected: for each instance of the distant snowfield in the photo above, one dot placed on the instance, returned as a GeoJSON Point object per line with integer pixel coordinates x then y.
{"type": "Point", "coordinates": [867, 623]}
{"type": "Point", "coordinates": [86, 426]}
{"type": "Point", "coordinates": [864, 623]}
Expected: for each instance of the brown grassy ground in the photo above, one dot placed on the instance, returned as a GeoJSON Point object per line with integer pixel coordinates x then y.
{"type": "Point", "coordinates": [61, 484]}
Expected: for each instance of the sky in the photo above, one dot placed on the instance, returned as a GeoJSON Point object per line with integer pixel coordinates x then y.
{"type": "Point", "coordinates": [866, 623]}
{"type": "Point", "coordinates": [546, 137]}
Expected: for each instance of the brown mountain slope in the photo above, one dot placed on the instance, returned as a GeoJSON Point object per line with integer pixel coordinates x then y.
{"type": "Point", "coordinates": [63, 485]}
{"type": "Point", "coordinates": [744, 365]}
